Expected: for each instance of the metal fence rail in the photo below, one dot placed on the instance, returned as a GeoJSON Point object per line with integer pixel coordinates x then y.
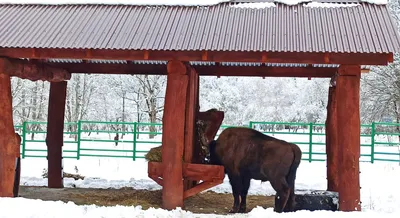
{"type": "Point", "coordinates": [379, 141]}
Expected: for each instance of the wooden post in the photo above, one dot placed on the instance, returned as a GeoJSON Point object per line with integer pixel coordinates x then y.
{"type": "Point", "coordinates": [9, 148]}
{"type": "Point", "coordinates": [190, 126]}
{"type": "Point", "coordinates": [173, 137]}
{"type": "Point", "coordinates": [348, 133]}
{"type": "Point", "coordinates": [55, 129]}
{"type": "Point", "coordinates": [332, 147]}
{"type": "Point", "coordinates": [17, 176]}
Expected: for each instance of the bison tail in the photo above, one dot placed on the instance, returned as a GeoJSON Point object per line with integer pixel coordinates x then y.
{"type": "Point", "coordinates": [295, 164]}
{"type": "Point", "coordinates": [214, 159]}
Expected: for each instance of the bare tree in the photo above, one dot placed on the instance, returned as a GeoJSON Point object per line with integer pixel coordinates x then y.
{"type": "Point", "coordinates": [79, 97]}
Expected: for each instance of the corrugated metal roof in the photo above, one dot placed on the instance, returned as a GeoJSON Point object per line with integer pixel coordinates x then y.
{"type": "Point", "coordinates": [366, 28]}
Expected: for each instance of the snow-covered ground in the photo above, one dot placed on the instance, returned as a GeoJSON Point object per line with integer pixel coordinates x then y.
{"type": "Point", "coordinates": [380, 193]}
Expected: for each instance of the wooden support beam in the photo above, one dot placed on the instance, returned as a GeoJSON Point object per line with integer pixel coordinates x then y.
{"type": "Point", "coordinates": [33, 71]}
{"type": "Point", "coordinates": [348, 119]}
{"type": "Point", "coordinates": [332, 146]}
{"type": "Point", "coordinates": [201, 187]}
{"type": "Point", "coordinates": [55, 132]}
{"type": "Point", "coordinates": [9, 148]}
{"type": "Point", "coordinates": [160, 69]}
{"type": "Point", "coordinates": [190, 126]}
{"type": "Point", "coordinates": [266, 71]}
{"type": "Point", "coordinates": [174, 135]}
{"type": "Point", "coordinates": [217, 56]}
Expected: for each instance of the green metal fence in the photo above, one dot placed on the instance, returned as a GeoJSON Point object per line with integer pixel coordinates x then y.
{"type": "Point", "coordinates": [379, 141]}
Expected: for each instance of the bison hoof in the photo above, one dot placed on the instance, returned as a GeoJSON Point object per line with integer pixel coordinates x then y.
{"type": "Point", "coordinates": [234, 210]}
{"type": "Point", "coordinates": [237, 210]}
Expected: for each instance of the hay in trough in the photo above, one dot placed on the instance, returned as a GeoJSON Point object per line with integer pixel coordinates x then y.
{"type": "Point", "coordinates": [154, 155]}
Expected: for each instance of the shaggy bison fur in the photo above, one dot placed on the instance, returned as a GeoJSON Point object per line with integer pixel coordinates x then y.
{"type": "Point", "coordinates": [248, 154]}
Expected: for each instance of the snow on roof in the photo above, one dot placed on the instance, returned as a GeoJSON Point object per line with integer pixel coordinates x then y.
{"type": "Point", "coordinates": [254, 5]}
{"type": "Point", "coordinates": [329, 5]}
{"type": "Point", "coordinates": [180, 2]}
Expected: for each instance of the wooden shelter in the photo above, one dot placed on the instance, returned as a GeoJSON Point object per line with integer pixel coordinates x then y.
{"type": "Point", "coordinates": [51, 42]}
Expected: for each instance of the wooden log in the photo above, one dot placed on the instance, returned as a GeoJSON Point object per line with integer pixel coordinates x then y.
{"type": "Point", "coordinates": [173, 137]}
{"type": "Point", "coordinates": [313, 200]}
{"type": "Point", "coordinates": [332, 146]}
{"type": "Point", "coordinates": [348, 118]}
{"type": "Point", "coordinates": [55, 132]}
{"type": "Point", "coordinates": [190, 126]}
{"type": "Point", "coordinates": [9, 148]}
{"type": "Point", "coordinates": [33, 71]}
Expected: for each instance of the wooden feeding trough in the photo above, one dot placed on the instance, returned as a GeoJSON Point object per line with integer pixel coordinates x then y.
{"type": "Point", "coordinates": [181, 171]}
{"type": "Point", "coordinates": [207, 126]}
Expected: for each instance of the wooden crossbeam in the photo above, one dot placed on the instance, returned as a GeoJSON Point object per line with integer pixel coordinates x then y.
{"type": "Point", "coordinates": [217, 56]}
{"type": "Point", "coordinates": [214, 70]}
{"type": "Point", "coordinates": [33, 71]}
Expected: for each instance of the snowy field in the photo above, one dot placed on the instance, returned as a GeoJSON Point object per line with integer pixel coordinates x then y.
{"type": "Point", "coordinates": [380, 193]}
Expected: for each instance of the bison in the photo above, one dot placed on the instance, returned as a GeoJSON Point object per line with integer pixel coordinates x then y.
{"type": "Point", "coordinates": [249, 154]}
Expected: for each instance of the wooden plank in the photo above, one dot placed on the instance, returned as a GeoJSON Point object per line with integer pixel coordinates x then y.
{"type": "Point", "coordinates": [201, 187]}
{"type": "Point", "coordinates": [156, 179]}
{"type": "Point", "coordinates": [9, 148]}
{"type": "Point", "coordinates": [215, 118]}
{"type": "Point", "coordinates": [54, 136]}
{"type": "Point", "coordinates": [155, 169]}
{"type": "Point", "coordinates": [203, 172]}
{"type": "Point", "coordinates": [332, 146]}
{"type": "Point", "coordinates": [348, 118]}
{"type": "Point", "coordinates": [33, 71]}
{"type": "Point", "coordinates": [173, 138]}
{"type": "Point", "coordinates": [217, 56]}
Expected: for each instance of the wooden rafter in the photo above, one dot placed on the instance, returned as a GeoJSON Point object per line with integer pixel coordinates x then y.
{"type": "Point", "coordinates": [216, 70]}
{"type": "Point", "coordinates": [217, 56]}
{"type": "Point", "coordinates": [33, 71]}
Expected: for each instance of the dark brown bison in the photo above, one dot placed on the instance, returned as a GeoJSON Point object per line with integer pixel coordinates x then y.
{"type": "Point", "coordinates": [248, 154]}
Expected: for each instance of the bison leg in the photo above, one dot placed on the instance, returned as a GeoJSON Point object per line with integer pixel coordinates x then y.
{"type": "Point", "coordinates": [243, 193]}
{"type": "Point", "coordinates": [291, 201]}
{"type": "Point", "coordinates": [290, 206]}
{"type": "Point", "coordinates": [236, 184]}
{"type": "Point", "coordinates": [283, 191]}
